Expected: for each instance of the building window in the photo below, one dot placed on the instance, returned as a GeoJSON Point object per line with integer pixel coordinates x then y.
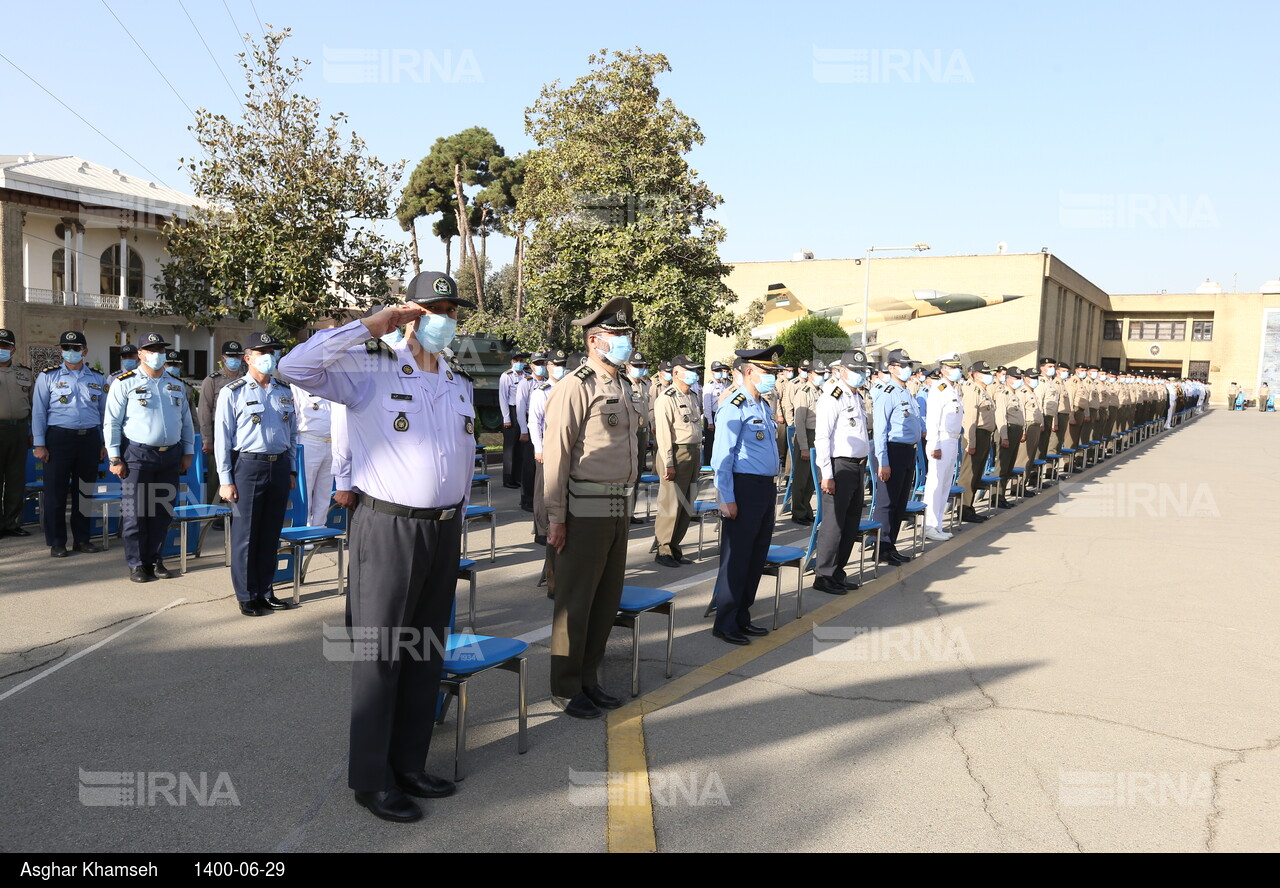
{"type": "Point", "coordinates": [1166, 331]}
{"type": "Point", "coordinates": [1199, 369]}
{"type": "Point", "coordinates": [1202, 331]}
{"type": "Point", "coordinates": [60, 271]}
{"type": "Point", "coordinates": [110, 264]}
{"type": "Point", "coordinates": [1110, 365]}
{"type": "Point", "coordinates": [1112, 329]}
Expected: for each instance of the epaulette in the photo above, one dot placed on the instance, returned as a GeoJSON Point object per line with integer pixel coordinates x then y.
{"type": "Point", "coordinates": [50, 369]}
{"type": "Point", "coordinates": [127, 374]}
{"type": "Point", "coordinates": [584, 372]}
{"type": "Point", "coordinates": [374, 346]}
{"type": "Point", "coordinates": [835, 392]}
{"type": "Point", "coordinates": [942, 386]}
{"type": "Point", "coordinates": [739, 399]}
{"type": "Point", "coordinates": [215, 374]}
{"type": "Point", "coordinates": [232, 386]}
{"type": "Point", "coordinates": [671, 392]}
{"type": "Point", "coordinates": [546, 385]}
{"type": "Point", "coordinates": [464, 374]}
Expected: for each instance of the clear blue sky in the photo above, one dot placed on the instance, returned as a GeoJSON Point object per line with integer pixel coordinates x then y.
{"type": "Point", "coordinates": [1135, 140]}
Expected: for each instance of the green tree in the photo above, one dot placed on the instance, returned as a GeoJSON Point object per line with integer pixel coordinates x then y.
{"type": "Point", "coordinates": [283, 231]}
{"type": "Point", "coordinates": [753, 318]}
{"type": "Point", "coordinates": [616, 210]}
{"type": "Point", "coordinates": [813, 337]}
{"type": "Point", "coordinates": [438, 184]}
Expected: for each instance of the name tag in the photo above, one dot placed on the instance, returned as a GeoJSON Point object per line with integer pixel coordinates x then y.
{"type": "Point", "coordinates": [397, 396]}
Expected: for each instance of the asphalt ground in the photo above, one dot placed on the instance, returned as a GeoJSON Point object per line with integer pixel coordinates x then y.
{"type": "Point", "coordinates": [1096, 669]}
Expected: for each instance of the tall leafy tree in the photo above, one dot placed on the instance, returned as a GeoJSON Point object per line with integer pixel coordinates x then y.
{"type": "Point", "coordinates": [813, 337]}
{"type": "Point", "coordinates": [284, 232]}
{"type": "Point", "coordinates": [617, 210]}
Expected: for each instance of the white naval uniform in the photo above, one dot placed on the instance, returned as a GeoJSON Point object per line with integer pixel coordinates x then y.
{"type": "Point", "coordinates": [315, 417]}
{"type": "Point", "coordinates": [944, 423]}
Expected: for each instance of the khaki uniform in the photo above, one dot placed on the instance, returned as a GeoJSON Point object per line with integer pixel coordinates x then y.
{"type": "Point", "coordinates": [589, 468]}
{"type": "Point", "coordinates": [204, 412]}
{"type": "Point", "coordinates": [1264, 392]}
{"type": "Point", "coordinates": [979, 424]}
{"type": "Point", "coordinates": [805, 404]}
{"type": "Point", "coordinates": [1009, 423]}
{"type": "Point", "coordinates": [678, 426]}
{"type": "Point", "coordinates": [16, 383]}
{"type": "Point", "coordinates": [1077, 394]}
{"type": "Point", "coordinates": [1032, 432]}
{"type": "Point", "coordinates": [1048, 396]}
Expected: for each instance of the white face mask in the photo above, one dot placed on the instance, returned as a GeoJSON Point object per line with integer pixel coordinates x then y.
{"type": "Point", "coordinates": [557, 371]}
{"type": "Point", "coordinates": [1063, 374]}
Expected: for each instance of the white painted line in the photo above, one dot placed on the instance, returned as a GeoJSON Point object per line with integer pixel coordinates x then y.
{"type": "Point", "coordinates": [88, 650]}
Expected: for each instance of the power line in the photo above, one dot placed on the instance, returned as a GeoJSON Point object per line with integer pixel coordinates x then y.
{"type": "Point", "coordinates": [254, 7]}
{"type": "Point", "coordinates": [239, 33]}
{"type": "Point", "coordinates": [149, 59]}
{"type": "Point", "coordinates": [211, 55]}
{"type": "Point", "coordinates": [82, 119]}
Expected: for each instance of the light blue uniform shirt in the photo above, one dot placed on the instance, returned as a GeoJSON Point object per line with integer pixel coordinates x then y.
{"type": "Point", "coordinates": [149, 411]}
{"type": "Point", "coordinates": [746, 442]}
{"type": "Point", "coordinates": [254, 419]}
{"type": "Point", "coordinates": [69, 399]}
{"type": "Point", "coordinates": [897, 419]}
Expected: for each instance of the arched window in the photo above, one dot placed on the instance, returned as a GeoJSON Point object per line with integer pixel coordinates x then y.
{"type": "Point", "coordinates": [110, 265]}
{"type": "Point", "coordinates": [60, 271]}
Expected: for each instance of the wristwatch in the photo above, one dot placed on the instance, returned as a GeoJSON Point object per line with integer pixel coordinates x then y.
{"type": "Point", "coordinates": [115, 461]}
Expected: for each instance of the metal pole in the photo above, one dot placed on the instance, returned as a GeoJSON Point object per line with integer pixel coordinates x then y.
{"type": "Point", "coordinates": [866, 303]}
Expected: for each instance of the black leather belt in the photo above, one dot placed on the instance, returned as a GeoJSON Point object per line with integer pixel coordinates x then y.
{"type": "Point", "coordinates": [154, 448]}
{"type": "Point", "coordinates": [265, 457]}
{"type": "Point", "coordinates": [74, 431]}
{"type": "Point", "coordinates": [400, 511]}
{"type": "Point", "coordinates": [860, 460]}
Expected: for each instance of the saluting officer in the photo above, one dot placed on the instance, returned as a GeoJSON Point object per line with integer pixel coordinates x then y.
{"type": "Point", "coordinates": [678, 424]}
{"type": "Point", "coordinates": [944, 425]}
{"type": "Point", "coordinates": [589, 466]}
{"type": "Point", "coordinates": [16, 383]}
{"type": "Point", "coordinates": [68, 406]}
{"type": "Point", "coordinates": [410, 429]}
{"type": "Point", "coordinates": [979, 424]}
{"type": "Point", "coordinates": [256, 447]}
{"type": "Point", "coordinates": [899, 427]}
{"type": "Point", "coordinates": [841, 442]}
{"type": "Point", "coordinates": [148, 408]}
{"type": "Point", "coordinates": [232, 369]}
{"type": "Point", "coordinates": [746, 464]}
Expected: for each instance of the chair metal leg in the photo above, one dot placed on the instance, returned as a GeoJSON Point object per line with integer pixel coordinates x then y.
{"type": "Point", "coordinates": [182, 546]}
{"type": "Point", "coordinates": [671, 631]}
{"type": "Point", "coordinates": [296, 550]}
{"type": "Point", "coordinates": [522, 745]}
{"type": "Point", "coordinates": [635, 655]}
{"type": "Point", "coordinates": [493, 537]}
{"type": "Point", "coordinates": [800, 589]}
{"type": "Point", "coordinates": [472, 609]}
{"type": "Point", "coordinates": [460, 737]}
{"type": "Point", "coordinates": [777, 594]}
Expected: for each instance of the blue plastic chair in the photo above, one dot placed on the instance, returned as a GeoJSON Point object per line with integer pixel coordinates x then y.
{"type": "Point", "coordinates": [648, 481]}
{"type": "Point", "coordinates": [466, 656]}
{"type": "Point", "coordinates": [191, 509]}
{"type": "Point", "coordinates": [989, 482]}
{"type": "Point", "coordinates": [297, 535]}
{"type": "Point", "coordinates": [478, 513]}
{"type": "Point", "coordinates": [34, 487]}
{"type": "Point", "coordinates": [479, 479]}
{"type": "Point", "coordinates": [703, 511]}
{"type": "Point", "coordinates": [791, 471]}
{"type": "Point", "coordinates": [637, 600]}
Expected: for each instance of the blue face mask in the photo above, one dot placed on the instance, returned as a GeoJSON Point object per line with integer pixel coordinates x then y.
{"type": "Point", "coordinates": [153, 359]}
{"type": "Point", "coordinates": [175, 372]}
{"type": "Point", "coordinates": [619, 350]}
{"type": "Point", "coordinates": [435, 331]}
{"type": "Point", "coordinates": [265, 364]}
{"type": "Point", "coordinates": [855, 379]}
{"type": "Point", "coordinates": [637, 372]}
{"type": "Point", "coordinates": [395, 337]}
{"type": "Point", "coordinates": [690, 377]}
{"type": "Point", "coordinates": [988, 378]}
{"type": "Point", "coordinates": [1015, 384]}
{"type": "Point", "coordinates": [540, 372]}
{"type": "Point", "coordinates": [128, 363]}
{"type": "Point", "coordinates": [666, 377]}
{"type": "Point", "coordinates": [557, 372]}
{"type": "Point", "coordinates": [767, 384]}
{"type": "Point", "coordinates": [903, 373]}
{"type": "Point", "coordinates": [72, 357]}
{"type": "Point", "coordinates": [518, 366]}
{"type": "Point", "coordinates": [953, 375]}
{"type": "Point", "coordinates": [232, 364]}
{"type": "Point", "coordinates": [5, 354]}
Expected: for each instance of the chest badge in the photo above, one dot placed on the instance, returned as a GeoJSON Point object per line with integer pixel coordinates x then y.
{"type": "Point", "coordinates": [470, 427]}
{"type": "Point", "coordinates": [760, 436]}
{"type": "Point", "coordinates": [406, 370]}
{"type": "Point", "coordinates": [613, 419]}
{"type": "Point", "coordinates": [62, 400]}
{"type": "Point", "coordinates": [256, 419]}
{"type": "Point", "coordinates": [401, 423]}
{"type": "Point", "coordinates": [142, 402]}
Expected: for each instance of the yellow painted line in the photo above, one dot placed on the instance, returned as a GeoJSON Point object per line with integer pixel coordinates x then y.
{"type": "Point", "coordinates": [630, 816]}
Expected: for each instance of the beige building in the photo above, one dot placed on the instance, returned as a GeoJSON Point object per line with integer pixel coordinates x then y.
{"type": "Point", "coordinates": [80, 249]}
{"type": "Point", "coordinates": [1012, 309]}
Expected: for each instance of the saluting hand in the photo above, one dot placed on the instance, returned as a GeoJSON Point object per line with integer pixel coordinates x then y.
{"type": "Point", "coordinates": [391, 317]}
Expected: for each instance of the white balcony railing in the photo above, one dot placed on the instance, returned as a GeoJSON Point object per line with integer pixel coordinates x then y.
{"type": "Point", "coordinates": [88, 300]}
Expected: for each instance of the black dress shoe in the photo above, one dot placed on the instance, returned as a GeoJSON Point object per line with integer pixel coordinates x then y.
{"type": "Point", "coordinates": [276, 604]}
{"type": "Point", "coordinates": [754, 630]}
{"type": "Point", "coordinates": [849, 584]}
{"type": "Point", "coordinates": [578, 706]}
{"type": "Point", "coordinates": [140, 574]}
{"type": "Point", "coordinates": [160, 572]}
{"type": "Point", "coordinates": [971, 515]}
{"type": "Point", "coordinates": [602, 698]}
{"type": "Point", "coordinates": [831, 587]}
{"type": "Point", "coordinates": [731, 637]}
{"type": "Point", "coordinates": [90, 548]}
{"type": "Point", "coordinates": [806, 522]}
{"type": "Point", "coordinates": [1004, 503]}
{"type": "Point", "coordinates": [511, 486]}
{"type": "Point", "coordinates": [894, 557]}
{"type": "Point", "coordinates": [524, 508]}
{"type": "Point", "coordinates": [637, 521]}
{"type": "Point", "coordinates": [391, 805]}
{"type": "Point", "coordinates": [250, 608]}
{"type": "Point", "coordinates": [18, 532]}
{"type": "Point", "coordinates": [425, 786]}
{"type": "Point", "coordinates": [1029, 492]}
{"type": "Point", "coordinates": [667, 561]}
{"type": "Point", "coordinates": [57, 551]}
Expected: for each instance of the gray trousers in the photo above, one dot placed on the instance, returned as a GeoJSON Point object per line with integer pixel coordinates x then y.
{"type": "Point", "coordinates": [404, 572]}
{"type": "Point", "coordinates": [675, 500]}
